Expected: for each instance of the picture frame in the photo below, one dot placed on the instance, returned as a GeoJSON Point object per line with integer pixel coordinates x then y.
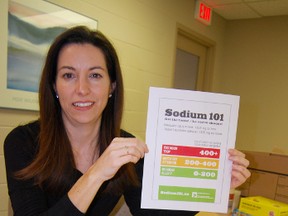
{"type": "Point", "coordinates": [29, 27]}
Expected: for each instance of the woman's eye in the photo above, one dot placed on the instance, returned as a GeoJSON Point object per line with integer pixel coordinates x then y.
{"type": "Point", "coordinates": [68, 75]}
{"type": "Point", "coordinates": [95, 75]}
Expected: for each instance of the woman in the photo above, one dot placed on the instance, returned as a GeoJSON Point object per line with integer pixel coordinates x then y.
{"type": "Point", "coordinates": [75, 160]}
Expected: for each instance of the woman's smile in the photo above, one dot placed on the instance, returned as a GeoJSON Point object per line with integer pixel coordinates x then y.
{"type": "Point", "coordinates": [83, 104]}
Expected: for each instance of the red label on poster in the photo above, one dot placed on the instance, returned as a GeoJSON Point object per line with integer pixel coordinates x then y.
{"type": "Point", "coordinates": [190, 151]}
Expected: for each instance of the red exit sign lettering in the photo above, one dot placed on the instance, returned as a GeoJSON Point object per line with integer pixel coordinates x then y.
{"type": "Point", "coordinates": [203, 13]}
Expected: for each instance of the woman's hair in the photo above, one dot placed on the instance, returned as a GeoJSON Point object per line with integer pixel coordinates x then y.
{"type": "Point", "coordinates": [54, 163]}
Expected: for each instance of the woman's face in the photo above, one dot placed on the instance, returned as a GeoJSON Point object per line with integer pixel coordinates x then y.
{"type": "Point", "coordinates": [82, 84]}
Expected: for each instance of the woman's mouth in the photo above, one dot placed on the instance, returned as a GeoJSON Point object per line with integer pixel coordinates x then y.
{"type": "Point", "coordinates": [83, 104]}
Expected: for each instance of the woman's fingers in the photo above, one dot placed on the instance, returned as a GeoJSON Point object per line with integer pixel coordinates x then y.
{"type": "Point", "coordinates": [243, 171]}
{"type": "Point", "coordinates": [130, 146]}
{"type": "Point", "coordinates": [240, 173]}
{"type": "Point", "coordinates": [238, 157]}
{"type": "Point", "coordinates": [121, 151]}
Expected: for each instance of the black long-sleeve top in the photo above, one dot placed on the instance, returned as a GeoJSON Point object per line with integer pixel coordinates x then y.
{"type": "Point", "coordinates": [20, 148]}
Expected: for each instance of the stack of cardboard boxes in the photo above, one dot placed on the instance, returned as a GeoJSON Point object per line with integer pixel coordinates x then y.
{"type": "Point", "coordinates": [266, 191]}
{"type": "Point", "coordinates": [269, 176]}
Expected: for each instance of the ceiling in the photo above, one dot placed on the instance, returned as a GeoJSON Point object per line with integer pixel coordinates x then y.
{"type": "Point", "coordinates": [248, 9]}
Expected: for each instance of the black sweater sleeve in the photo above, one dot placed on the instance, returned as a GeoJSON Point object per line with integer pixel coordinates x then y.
{"type": "Point", "coordinates": [20, 147]}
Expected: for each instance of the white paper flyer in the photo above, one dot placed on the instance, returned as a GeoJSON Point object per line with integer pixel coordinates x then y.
{"type": "Point", "coordinates": [188, 134]}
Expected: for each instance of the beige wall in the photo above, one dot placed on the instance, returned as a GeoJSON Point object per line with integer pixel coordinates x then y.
{"type": "Point", "coordinates": [255, 66]}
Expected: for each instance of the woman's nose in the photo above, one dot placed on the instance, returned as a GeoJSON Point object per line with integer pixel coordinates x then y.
{"type": "Point", "coordinates": [83, 87]}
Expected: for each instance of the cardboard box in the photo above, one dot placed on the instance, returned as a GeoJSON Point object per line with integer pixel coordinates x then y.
{"type": "Point", "coordinates": [267, 161]}
{"type": "Point", "coordinates": [261, 206]}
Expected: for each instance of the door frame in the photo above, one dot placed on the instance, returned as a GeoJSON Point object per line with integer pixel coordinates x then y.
{"type": "Point", "coordinates": [209, 64]}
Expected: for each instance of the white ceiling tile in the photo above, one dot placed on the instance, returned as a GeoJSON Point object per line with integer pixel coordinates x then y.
{"type": "Point", "coordinates": [221, 2]}
{"type": "Point", "coordinates": [236, 11]}
{"type": "Point", "coordinates": [271, 8]}
{"type": "Point", "coordinates": [256, 0]}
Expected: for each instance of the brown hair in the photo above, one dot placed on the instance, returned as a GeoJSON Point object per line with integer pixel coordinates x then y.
{"type": "Point", "coordinates": [54, 163]}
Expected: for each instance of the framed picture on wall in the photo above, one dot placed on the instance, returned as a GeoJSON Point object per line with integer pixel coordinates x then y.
{"type": "Point", "coordinates": [29, 27]}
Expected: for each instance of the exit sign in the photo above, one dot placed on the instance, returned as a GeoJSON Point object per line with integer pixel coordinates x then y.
{"type": "Point", "coordinates": [203, 12]}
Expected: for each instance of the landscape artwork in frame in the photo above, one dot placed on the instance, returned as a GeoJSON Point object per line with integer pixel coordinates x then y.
{"type": "Point", "coordinates": [29, 27]}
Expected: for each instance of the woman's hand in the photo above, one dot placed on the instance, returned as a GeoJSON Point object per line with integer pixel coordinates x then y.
{"type": "Point", "coordinates": [121, 151]}
{"type": "Point", "coordinates": [118, 153]}
{"type": "Point", "coordinates": [240, 173]}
